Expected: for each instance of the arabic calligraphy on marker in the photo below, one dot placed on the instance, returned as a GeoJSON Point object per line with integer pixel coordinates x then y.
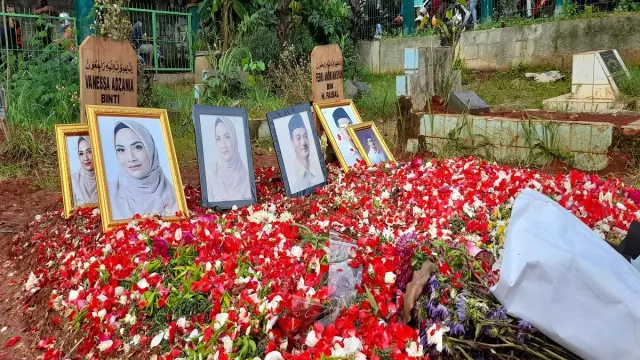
{"type": "Point", "coordinates": [329, 64]}
{"type": "Point", "coordinates": [110, 66]}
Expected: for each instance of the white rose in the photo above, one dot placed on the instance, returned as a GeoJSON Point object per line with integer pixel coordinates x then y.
{"type": "Point", "coordinates": [274, 355]}
{"type": "Point", "coordinates": [104, 345]}
{"type": "Point", "coordinates": [311, 339]}
{"type": "Point", "coordinates": [296, 251]}
{"type": "Point", "coordinates": [389, 278]}
{"type": "Point", "coordinates": [228, 344]}
{"type": "Point", "coordinates": [415, 350]}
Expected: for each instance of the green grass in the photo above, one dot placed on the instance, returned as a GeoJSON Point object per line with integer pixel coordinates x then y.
{"type": "Point", "coordinates": [381, 103]}
{"type": "Point", "coordinates": [512, 90]}
{"type": "Point", "coordinates": [630, 86]}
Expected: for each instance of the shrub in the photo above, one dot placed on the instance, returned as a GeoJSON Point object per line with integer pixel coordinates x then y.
{"type": "Point", "coordinates": [45, 90]}
{"type": "Point", "coordinates": [291, 77]}
{"type": "Point", "coordinates": [263, 43]}
{"type": "Point", "coordinates": [629, 86]}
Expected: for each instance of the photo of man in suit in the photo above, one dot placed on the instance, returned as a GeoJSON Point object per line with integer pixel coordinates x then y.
{"type": "Point", "coordinates": [376, 155]}
{"type": "Point", "coordinates": [306, 173]}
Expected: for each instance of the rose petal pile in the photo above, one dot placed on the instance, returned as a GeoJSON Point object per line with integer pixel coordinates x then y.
{"type": "Point", "coordinates": [244, 284]}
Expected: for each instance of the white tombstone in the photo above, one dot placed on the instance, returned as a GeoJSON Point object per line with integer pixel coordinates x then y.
{"type": "Point", "coordinates": [593, 84]}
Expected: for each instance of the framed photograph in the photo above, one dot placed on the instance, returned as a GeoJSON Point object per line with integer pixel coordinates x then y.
{"type": "Point", "coordinates": [136, 167]}
{"type": "Point", "coordinates": [335, 117]}
{"type": "Point", "coordinates": [77, 171]}
{"type": "Point", "coordinates": [224, 156]}
{"type": "Point", "coordinates": [298, 150]}
{"type": "Point", "coordinates": [370, 143]}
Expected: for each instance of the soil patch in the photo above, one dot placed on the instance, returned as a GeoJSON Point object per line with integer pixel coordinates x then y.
{"type": "Point", "coordinates": [618, 120]}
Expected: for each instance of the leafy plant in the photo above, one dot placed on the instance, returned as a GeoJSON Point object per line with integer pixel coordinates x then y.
{"type": "Point", "coordinates": [291, 78]}
{"type": "Point", "coordinates": [254, 69]}
{"type": "Point", "coordinates": [222, 13]}
{"type": "Point", "coordinates": [328, 19]}
{"type": "Point", "coordinates": [543, 144]}
{"type": "Point", "coordinates": [45, 90]}
{"type": "Point", "coordinates": [629, 85]}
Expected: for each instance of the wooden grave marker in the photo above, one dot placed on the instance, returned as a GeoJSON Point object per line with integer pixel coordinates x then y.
{"type": "Point", "coordinates": [326, 76]}
{"type": "Point", "coordinates": [108, 74]}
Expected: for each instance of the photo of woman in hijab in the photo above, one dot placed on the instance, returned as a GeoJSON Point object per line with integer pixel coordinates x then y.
{"type": "Point", "coordinates": [83, 182]}
{"type": "Point", "coordinates": [141, 186]}
{"type": "Point", "coordinates": [227, 177]}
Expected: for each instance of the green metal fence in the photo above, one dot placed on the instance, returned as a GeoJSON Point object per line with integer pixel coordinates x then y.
{"type": "Point", "coordinates": [29, 34]}
{"type": "Point", "coordinates": [165, 44]}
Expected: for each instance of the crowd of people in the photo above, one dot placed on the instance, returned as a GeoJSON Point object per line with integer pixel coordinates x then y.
{"type": "Point", "coordinates": [11, 35]}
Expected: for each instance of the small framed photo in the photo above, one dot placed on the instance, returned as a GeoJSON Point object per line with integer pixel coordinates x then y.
{"type": "Point", "coordinates": [135, 164]}
{"type": "Point", "coordinates": [298, 150]}
{"type": "Point", "coordinates": [370, 143]}
{"type": "Point", "coordinates": [335, 117]}
{"type": "Point", "coordinates": [224, 156]}
{"type": "Point", "coordinates": [77, 171]}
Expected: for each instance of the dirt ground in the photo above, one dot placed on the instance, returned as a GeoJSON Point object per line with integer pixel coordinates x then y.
{"type": "Point", "coordinates": [22, 201]}
{"type": "Point", "coordinates": [619, 120]}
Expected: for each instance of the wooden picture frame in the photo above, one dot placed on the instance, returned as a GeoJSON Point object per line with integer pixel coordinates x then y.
{"type": "Point", "coordinates": [69, 177]}
{"type": "Point", "coordinates": [356, 132]}
{"type": "Point", "coordinates": [208, 118]}
{"type": "Point", "coordinates": [327, 113]}
{"type": "Point", "coordinates": [136, 170]}
{"type": "Point", "coordinates": [293, 129]}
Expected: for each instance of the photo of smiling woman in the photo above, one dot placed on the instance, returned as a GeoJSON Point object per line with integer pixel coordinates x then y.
{"type": "Point", "coordinates": [141, 186]}
{"type": "Point", "coordinates": [228, 178]}
{"type": "Point", "coordinates": [224, 156]}
{"type": "Point", "coordinates": [83, 181]}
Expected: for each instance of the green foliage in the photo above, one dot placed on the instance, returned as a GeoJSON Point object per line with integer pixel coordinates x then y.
{"type": "Point", "coordinates": [45, 90]}
{"type": "Point", "coordinates": [291, 78]}
{"type": "Point", "coordinates": [328, 20]}
{"type": "Point", "coordinates": [263, 42]}
{"type": "Point", "coordinates": [629, 86]}
{"type": "Point", "coordinates": [22, 147]}
{"type": "Point", "coordinates": [301, 41]}
{"type": "Point", "coordinates": [569, 9]}
{"type": "Point", "coordinates": [512, 90]}
{"type": "Point", "coordinates": [542, 139]}
{"type": "Point", "coordinates": [628, 5]}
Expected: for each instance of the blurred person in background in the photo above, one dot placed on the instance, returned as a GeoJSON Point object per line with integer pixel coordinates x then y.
{"type": "Point", "coordinates": [44, 26]}
{"type": "Point", "coordinates": [12, 38]}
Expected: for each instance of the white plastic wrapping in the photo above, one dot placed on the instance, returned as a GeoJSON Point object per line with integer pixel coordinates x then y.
{"type": "Point", "coordinates": [575, 288]}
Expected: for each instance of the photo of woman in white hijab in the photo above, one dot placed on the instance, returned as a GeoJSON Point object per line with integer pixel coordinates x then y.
{"type": "Point", "coordinates": [224, 156]}
{"type": "Point", "coordinates": [83, 179]}
{"type": "Point", "coordinates": [228, 178]}
{"type": "Point", "coordinates": [141, 186]}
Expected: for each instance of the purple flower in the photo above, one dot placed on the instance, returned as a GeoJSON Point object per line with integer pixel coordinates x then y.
{"type": "Point", "coordinates": [525, 329]}
{"type": "Point", "coordinates": [461, 308]}
{"type": "Point", "coordinates": [430, 307]}
{"type": "Point", "coordinates": [457, 329]}
{"type": "Point", "coordinates": [160, 248]}
{"type": "Point", "coordinates": [498, 314]}
{"type": "Point", "coordinates": [432, 284]}
{"type": "Point", "coordinates": [439, 313]}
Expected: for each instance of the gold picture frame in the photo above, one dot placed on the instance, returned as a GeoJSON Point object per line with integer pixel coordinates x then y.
{"type": "Point", "coordinates": [63, 132]}
{"type": "Point", "coordinates": [353, 129]}
{"type": "Point", "coordinates": [94, 112]}
{"type": "Point", "coordinates": [328, 129]}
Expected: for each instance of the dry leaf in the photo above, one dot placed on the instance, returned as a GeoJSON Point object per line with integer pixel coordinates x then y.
{"type": "Point", "coordinates": [414, 288]}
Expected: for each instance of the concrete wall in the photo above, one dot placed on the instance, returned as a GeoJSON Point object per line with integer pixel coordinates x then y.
{"type": "Point", "coordinates": [551, 43]}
